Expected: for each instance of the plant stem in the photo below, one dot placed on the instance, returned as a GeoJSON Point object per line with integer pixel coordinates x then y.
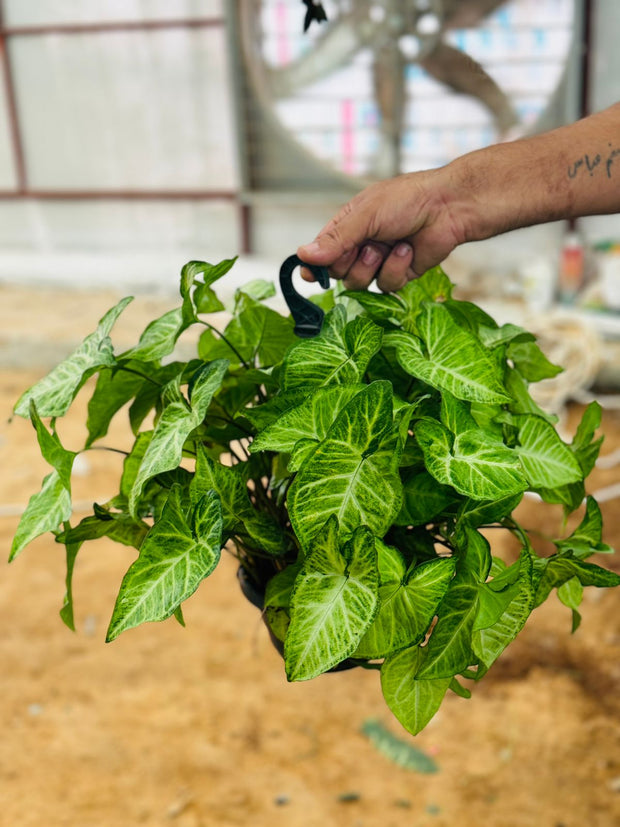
{"type": "Point", "coordinates": [226, 342]}
{"type": "Point", "coordinates": [141, 375]}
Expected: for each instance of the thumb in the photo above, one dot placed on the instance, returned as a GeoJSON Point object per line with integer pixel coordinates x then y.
{"type": "Point", "coordinates": [328, 247]}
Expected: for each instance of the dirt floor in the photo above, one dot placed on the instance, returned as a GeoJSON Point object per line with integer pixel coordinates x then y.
{"type": "Point", "coordinates": [197, 727]}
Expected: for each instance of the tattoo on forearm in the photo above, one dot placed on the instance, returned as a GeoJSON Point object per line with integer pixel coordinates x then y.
{"type": "Point", "coordinates": [588, 164]}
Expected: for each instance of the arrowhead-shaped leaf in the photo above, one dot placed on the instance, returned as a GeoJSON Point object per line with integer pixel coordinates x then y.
{"type": "Point", "coordinates": [310, 420]}
{"type": "Point", "coordinates": [333, 602]}
{"type": "Point", "coordinates": [449, 358]}
{"type": "Point", "coordinates": [335, 357]}
{"type": "Point", "coordinates": [51, 506]}
{"type": "Point", "coordinates": [547, 462]}
{"type": "Point", "coordinates": [561, 568]}
{"type": "Point", "coordinates": [489, 642]}
{"type": "Point", "coordinates": [587, 537]}
{"type": "Point", "coordinates": [353, 474]}
{"type": "Point", "coordinates": [55, 392]}
{"type": "Point", "coordinates": [449, 649]}
{"type": "Point", "coordinates": [178, 419]}
{"type": "Point", "coordinates": [423, 499]}
{"type": "Point", "coordinates": [408, 602]}
{"type": "Point", "coordinates": [178, 553]}
{"type": "Point", "coordinates": [474, 464]}
{"type": "Point", "coordinates": [46, 511]}
{"type": "Point", "coordinates": [531, 362]}
{"type": "Point", "coordinates": [413, 701]}
{"type": "Point", "coordinates": [159, 337]}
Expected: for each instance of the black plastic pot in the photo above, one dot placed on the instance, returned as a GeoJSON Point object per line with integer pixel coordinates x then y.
{"type": "Point", "coordinates": [256, 596]}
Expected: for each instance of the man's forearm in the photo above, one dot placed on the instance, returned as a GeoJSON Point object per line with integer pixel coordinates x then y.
{"type": "Point", "coordinates": [568, 172]}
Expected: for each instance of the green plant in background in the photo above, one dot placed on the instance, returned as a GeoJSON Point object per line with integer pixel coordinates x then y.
{"type": "Point", "coordinates": [351, 475]}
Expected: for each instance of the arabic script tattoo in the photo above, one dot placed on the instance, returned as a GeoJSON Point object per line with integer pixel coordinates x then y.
{"type": "Point", "coordinates": [589, 164]}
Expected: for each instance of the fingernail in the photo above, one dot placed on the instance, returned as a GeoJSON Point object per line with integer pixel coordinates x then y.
{"type": "Point", "coordinates": [402, 249]}
{"type": "Point", "coordinates": [370, 256]}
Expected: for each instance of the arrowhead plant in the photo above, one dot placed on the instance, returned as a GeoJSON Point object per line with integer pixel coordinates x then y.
{"type": "Point", "coordinates": [352, 475]}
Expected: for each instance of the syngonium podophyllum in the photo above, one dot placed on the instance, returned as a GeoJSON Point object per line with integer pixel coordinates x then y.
{"type": "Point", "coordinates": [351, 474]}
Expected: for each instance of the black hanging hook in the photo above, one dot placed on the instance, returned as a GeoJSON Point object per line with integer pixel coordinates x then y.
{"type": "Point", "coordinates": [308, 317]}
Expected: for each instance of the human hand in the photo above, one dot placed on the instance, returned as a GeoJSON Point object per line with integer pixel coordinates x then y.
{"type": "Point", "coordinates": [393, 231]}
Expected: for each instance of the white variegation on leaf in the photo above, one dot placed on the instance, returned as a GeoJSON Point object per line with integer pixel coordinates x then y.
{"type": "Point", "coordinates": [353, 474]}
{"type": "Point", "coordinates": [46, 511]}
{"type": "Point", "coordinates": [55, 392]}
{"type": "Point", "coordinates": [408, 601]}
{"type": "Point", "coordinates": [181, 549]}
{"type": "Point", "coordinates": [449, 649]}
{"type": "Point", "coordinates": [473, 463]}
{"type": "Point", "coordinates": [450, 359]}
{"type": "Point", "coordinates": [178, 419]}
{"type": "Point", "coordinates": [333, 602]}
{"type": "Point", "coordinates": [336, 357]}
{"type": "Point", "coordinates": [310, 420]}
{"type": "Point", "coordinates": [547, 461]}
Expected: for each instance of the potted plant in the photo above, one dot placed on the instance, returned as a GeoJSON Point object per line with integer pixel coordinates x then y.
{"type": "Point", "coordinates": [351, 474]}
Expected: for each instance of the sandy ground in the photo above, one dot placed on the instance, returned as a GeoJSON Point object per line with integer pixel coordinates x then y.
{"type": "Point", "coordinates": [197, 727]}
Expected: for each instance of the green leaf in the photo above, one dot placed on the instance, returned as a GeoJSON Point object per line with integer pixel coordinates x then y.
{"type": "Point", "coordinates": [261, 416]}
{"type": "Point", "coordinates": [159, 337]}
{"type": "Point", "coordinates": [449, 358]}
{"type": "Point", "coordinates": [547, 462]}
{"type": "Point", "coordinates": [177, 421]}
{"type": "Point", "coordinates": [310, 420]}
{"type": "Point", "coordinates": [583, 445]}
{"type": "Point", "coordinates": [52, 449]}
{"type": "Point", "coordinates": [408, 602]}
{"type": "Point", "coordinates": [449, 649]}
{"type": "Point", "coordinates": [433, 286]}
{"type": "Point", "coordinates": [531, 362]}
{"type": "Point", "coordinates": [353, 473]}
{"type": "Point", "coordinates": [494, 337]}
{"type": "Point", "coordinates": [256, 333]}
{"type": "Point", "coordinates": [397, 749]}
{"type": "Point", "coordinates": [473, 556]}
{"type": "Point", "coordinates": [380, 307]}
{"type": "Point", "coordinates": [51, 506]}
{"type": "Point", "coordinates": [560, 568]}
{"type": "Point", "coordinates": [277, 606]}
{"type": "Point", "coordinates": [488, 643]}
{"type": "Point", "coordinates": [54, 393]}
{"type": "Point", "coordinates": [114, 389]}
{"type": "Point", "coordinates": [46, 510]}
{"type": "Point", "coordinates": [413, 701]}
{"type": "Point", "coordinates": [571, 594]}
{"type": "Point", "coordinates": [210, 272]}
{"type": "Point", "coordinates": [229, 486]}
{"type": "Point", "coordinates": [587, 537]}
{"type": "Point", "coordinates": [258, 289]}
{"type": "Point", "coordinates": [238, 514]}
{"type": "Point", "coordinates": [332, 604]}
{"type": "Point", "coordinates": [180, 550]}
{"type": "Point", "coordinates": [335, 357]}
{"type": "Point", "coordinates": [66, 610]}
{"type": "Point", "coordinates": [455, 414]}
{"type": "Point", "coordinates": [423, 499]}
{"type": "Point", "coordinates": [476, 514]}
{"type": "Point", "coordinates": [521, 400]}
{"type": "Point", "coordinates": [474, 464]}
{"type": "Point", "coordinates": [119, 527]}
{"type": "Point", "coordinates": [206, 300]}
